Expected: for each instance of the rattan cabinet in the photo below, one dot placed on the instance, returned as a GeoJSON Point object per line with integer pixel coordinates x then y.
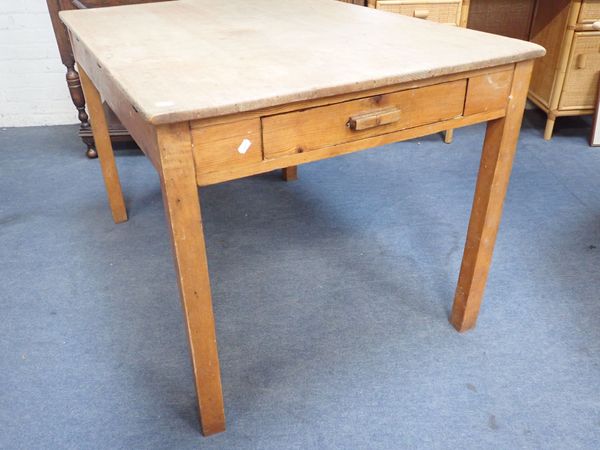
{"type": "Point", "coordinates": [444, 11]}
{"type": "Point", "coordinates": [565, 81]}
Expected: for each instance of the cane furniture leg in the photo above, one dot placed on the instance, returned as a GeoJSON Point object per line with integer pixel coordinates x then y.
{"type": "Point", "coordinates": [182, 207]}
{"type": "Point", "coordinates": [289, 173]}
{"type": "Point", "coordinates": [494, 173]}
{"type": "Point", "coordinates": [104, 148]}
{"type": "Point", "coordinates": [549, 126]}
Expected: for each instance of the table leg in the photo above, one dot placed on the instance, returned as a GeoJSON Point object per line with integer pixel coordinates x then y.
{"type": "Point", "coordinates": [104, 148]}
{"type": "Point", "coordinates": [182, 207]}
{"type": "Point", "coordinates": [448, 136]}
{"type": "Point", "coordinates": [494, 173]}
{"type": "Point", "coordinates": [289, 173]}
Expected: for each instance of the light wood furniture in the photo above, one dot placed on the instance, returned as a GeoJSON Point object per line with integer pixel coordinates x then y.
{"type": "Point", "coordinates": [565, 82]}
{"type": "Point", "coordinates": [214, 91]}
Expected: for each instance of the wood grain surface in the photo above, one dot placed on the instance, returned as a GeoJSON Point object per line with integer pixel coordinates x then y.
{"type": "Point", "coordinates": [182, 208]}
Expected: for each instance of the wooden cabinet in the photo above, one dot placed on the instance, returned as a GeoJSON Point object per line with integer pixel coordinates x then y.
{"type": "Point", "coordinates": [443, 11]}
{"type": "Point", "coordinates": [565, 81]}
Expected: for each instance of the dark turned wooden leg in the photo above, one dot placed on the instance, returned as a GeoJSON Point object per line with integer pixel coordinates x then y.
{"type": "Point", "coordinates": [78, 99]}
{"type": "Point", "coordinates": [72, 77]}
{"type": "Point", "coordinates": [91, 151]}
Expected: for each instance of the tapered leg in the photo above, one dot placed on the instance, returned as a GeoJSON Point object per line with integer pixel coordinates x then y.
{"type": "Point", "coordinates": [289, 173]}
{"type": "Point", "coordinates": [494, 173]}
{"type": "Point", "coordinates": [182, 207]}
{"type": "Point", "coordinates": [549, 126]}
{"type": "Point", "coordinates": [448, 136]}
{"type": "Point", "coordinates": [104, 148]}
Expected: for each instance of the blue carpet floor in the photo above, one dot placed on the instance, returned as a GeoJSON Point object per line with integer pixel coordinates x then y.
{"type": "Point", "coordinates": [331, 297]}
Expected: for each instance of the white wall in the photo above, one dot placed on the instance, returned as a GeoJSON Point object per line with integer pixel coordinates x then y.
{"type": "Point", "coordinates": [33, 90]}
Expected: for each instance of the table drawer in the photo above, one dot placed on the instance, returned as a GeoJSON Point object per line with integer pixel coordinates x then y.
{"type": "Point", "coordinates": [443, 12]}
{"type": "Point", "coordinates": [581, 83]}
{"type": "Point", "coordinates": [325, 126]}
{"type": "Point", "coordinates": [589, 12]}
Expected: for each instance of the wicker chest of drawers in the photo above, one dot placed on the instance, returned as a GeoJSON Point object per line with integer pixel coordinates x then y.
{"type": "Point", "coordinates": [444, 11]}
{"type": "Point", "coordinates": [565, 81]}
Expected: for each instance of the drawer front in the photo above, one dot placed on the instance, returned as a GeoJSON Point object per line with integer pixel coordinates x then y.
{"type": "Point", "coordinates": [443, 12]}
{"type": "Point", "coordinates": [228, 145]}
{"type": "Point", "coordinates": [581, 83]}
{"type": "Point", "coordinates": [590, 11]}
{"type": "Point", "coordinates": [315, 128]}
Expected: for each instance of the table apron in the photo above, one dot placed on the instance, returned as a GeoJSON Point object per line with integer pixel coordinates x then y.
{"type": "Point", "coordinates": [252, 145]}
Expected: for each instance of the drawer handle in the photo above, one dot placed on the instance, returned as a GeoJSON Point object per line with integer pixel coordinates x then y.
{"type": "Point", "coordinates": [581, 61]}
{"type": "Point", "coordinates": [421, 13]}
{"type": "Point", "coordinates": [596, 25]}
{"type": "Point", "coordinates": [373, 119]}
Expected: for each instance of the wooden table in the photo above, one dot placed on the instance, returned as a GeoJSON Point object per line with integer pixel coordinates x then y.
{"type": "Point", "coordinates": [214, 91]}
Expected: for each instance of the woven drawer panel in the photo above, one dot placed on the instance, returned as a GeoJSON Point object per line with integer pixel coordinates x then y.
{"type": "Point", "coordinates": [590, 11]}
{"type": "Point", "coordinates": [583, 73]}
{"type": "Point", "coordinates": [438, 12]}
